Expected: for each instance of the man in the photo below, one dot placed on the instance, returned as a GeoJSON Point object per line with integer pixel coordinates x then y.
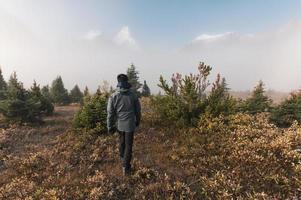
{"type": "Point", "coordinates": [124, 108]}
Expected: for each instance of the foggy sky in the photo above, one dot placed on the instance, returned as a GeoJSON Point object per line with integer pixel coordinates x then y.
{"type": "Point", "coordinates": [40, 46]}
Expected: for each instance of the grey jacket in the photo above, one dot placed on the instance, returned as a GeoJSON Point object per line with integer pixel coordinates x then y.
{"type": "Point", "coordinates": [123, 108]}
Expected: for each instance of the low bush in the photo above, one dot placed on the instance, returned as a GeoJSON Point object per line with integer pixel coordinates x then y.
{"type": "Point", "coordinates": [93, 114]}
{"type": "Point", "coordinates": [184, 100]}
{"type": "Point", "coordinates": [241, 157]}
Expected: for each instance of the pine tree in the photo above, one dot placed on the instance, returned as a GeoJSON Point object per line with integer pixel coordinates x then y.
{"type": "Point", "coordinates": [3, 86]}
{"type": "Point", "coordinates": [45, 104]}
{"type": "Point", "coordinates": [132, 74]}
{"type": "Point", "coordinates": [287, 111]}
{"type": "Point", "coordinates": [93, 114]}
{"type": "Point", "coordinates": [219, 100]}
{"type": "Point", "coordinates": [145, 90]}
{"type": "Point", "coordinates": [86, 91]}
{"type": "Point", "coordinates": [45, 91]}
{"type": "Point", "coordinates": [98, 91]}
{"type": "Point", "coordinates": [76, 95]}
{"type": "Point", "coordinates": [35, 89]}
{"type": "Point", "coordinates": [58, 92]}
{"type": "Point", "coordinates": [258, 102]}
{"type": "Point", "coordinates": [15, 88]}
{"type": "Point", "coordinates": [19, 106]}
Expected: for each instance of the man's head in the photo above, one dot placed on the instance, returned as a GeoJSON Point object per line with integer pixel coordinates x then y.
{"type": "Point", "coordinates": [123, 81]}
{"type": "Point", "coordinates": [122, 78]}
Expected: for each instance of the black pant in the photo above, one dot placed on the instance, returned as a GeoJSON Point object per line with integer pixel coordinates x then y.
{"type": "Point", "coordinates": [125, 147]}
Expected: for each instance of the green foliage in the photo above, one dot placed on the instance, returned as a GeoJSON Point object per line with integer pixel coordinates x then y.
{"type": "Point", "coordinates": [3, 86]}
{"type": "Point", "coordinates": [258, 102]}
{"type": "Point", "coordinates": [45, 91]}
{"type": "Point", "coordinates": [145, 90]}
{"type": "Point", "coordinates": [185, 99]}
{"type": "Point", "coordinates": [76, 95]}
{"type": "Point", "coordinates": [132, 74]}
{"type": "Point", "coordinates": [288, 111]}
{"type": "Point", "coordinates": [19, 105]}
{"type": "Point", "coordinates": [59, 94]}
{"type": "Point", "coordinates": [86, 91]}
{"type": "Point", "coordinates": [93, 114]}
{"type": "Point", "coordinates": [219, 100]}
{"type": "Point", "coordinates": [45, 105]}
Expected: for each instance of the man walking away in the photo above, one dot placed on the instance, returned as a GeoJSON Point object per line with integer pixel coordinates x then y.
{"type": "Point", "coordinates": [124, 109]}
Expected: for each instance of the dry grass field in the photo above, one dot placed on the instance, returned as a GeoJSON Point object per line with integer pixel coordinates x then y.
{"type": "Point", "coordinates": [248, 159]}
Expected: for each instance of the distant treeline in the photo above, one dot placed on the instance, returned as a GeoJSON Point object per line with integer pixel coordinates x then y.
{"type": "Point", "coordinates": [184, 102]}
{"type": "Point", "coordinates": [18, 104]}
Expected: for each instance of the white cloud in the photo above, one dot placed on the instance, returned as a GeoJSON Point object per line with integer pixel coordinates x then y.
{"type": "Point", "coordinates": [124, 37]}
{"type": "Point", "coordinates": [92, 34]}
{"type": "Point", "coordinates": [212, 37]}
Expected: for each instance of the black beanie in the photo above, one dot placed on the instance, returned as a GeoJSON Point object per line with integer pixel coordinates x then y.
{"type": "Point", "coordinates": [122, 78]}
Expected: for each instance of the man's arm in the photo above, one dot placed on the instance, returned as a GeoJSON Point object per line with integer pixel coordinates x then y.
{"type": "Point", "coordinates": [137, 111]}
{"type": "Point", "coordinates": [110, 115]}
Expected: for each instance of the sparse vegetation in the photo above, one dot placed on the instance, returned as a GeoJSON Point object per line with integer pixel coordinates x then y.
{"type": "Point", "coordinates": [192, 144]}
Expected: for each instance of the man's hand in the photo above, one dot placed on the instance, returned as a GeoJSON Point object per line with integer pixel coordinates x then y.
{"type": "Point", "coordinates": [112, 130]}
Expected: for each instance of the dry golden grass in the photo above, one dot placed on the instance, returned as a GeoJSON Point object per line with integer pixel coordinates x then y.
{"type": "Point", "coordinates": [246, 158]}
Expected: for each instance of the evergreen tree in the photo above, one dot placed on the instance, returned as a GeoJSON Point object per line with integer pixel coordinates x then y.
{"type": "Point", "coordinates": [15, 88]}
{"type": "Point", "coordinates": [76, 95]}
{"type": "Point", "coordinates": [93, 114]}
{"type": "Point", "coordinates": [35, 90]}
{"type": "Point", "coordinates": [98, 91]}
{"type": "Point", "coordinates": [145, 90]}
{"type": "Point", "coordinates": [219, 100]}
{"type": "Point", "coordinates": [86, 91]}
{"type": "Point", "coordinates": [19, 106]}
{"type": "Point", "coordinates": [45, 104]}
{"type": "Point", "coordinates": [59, 94]}
{"type": "Point", "coordinates": [287, 111]}
{"type": "Point", "coordinates": [258, 102]}
{"type": "Point", "coordinates": [45, 91]}
{"type": "Point", "coordinates": [132, 74]}
{"type": "Point", "coordinates": [3, 86]}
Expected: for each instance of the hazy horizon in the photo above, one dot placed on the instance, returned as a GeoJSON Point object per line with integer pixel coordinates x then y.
{"type": "Point", "coordinates": [93, 41]}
